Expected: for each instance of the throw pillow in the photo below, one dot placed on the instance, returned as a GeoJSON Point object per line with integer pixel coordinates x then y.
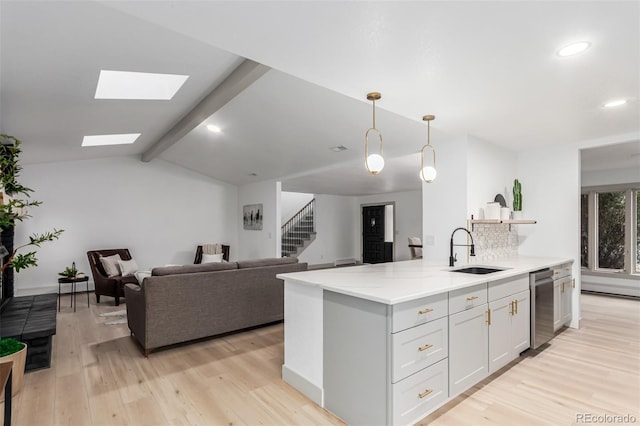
{"type": "Point", "coordinates": [128, 267]}
{"type": "Point", "coordinates": [211, 258]}
{"type": "Point", "coordinates": [110, 265]}
{"type": "Point", "coordinates": [141, 275]}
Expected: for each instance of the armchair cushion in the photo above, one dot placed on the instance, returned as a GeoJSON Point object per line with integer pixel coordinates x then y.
{"type": "Point", "coordinates": [110, 265]}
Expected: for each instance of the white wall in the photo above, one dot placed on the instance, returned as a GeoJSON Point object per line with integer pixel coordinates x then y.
{"type": "Point", "coordinates": [444, 201]}
{"type": "Point", "coordinates": [254, 244]}
{"type": "Point", "coordinates": [408, 219]}
{"type": "Point", "coordinates": [611, 177]}
{"type": "Point", "coordinates": [157, 210]}
{"type": "Point", "coordinates": [336, 218]}
{"type": "Point", "coordinates": [291, 203]}
{"type": "Point", "coordinates": [491, 170]}
{"type": "Point", "coordinates": [550, 178]}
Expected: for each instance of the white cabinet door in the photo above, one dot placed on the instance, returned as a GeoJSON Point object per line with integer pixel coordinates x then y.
{"type": "Point", "coordinates": [468, 349]}
{"type": "Point", "coordinates": [567, 293]}
{"type": "Point", "coordinates": [521, 323]}
{"type": "Point", "coordinates": [557, 304]}
{"type": "Point", "coordinates": [500, 353]}
{"type": "Point", "coordinates": [509, 332]}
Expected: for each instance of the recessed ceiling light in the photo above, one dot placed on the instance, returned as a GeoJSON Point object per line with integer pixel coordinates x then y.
{"type": "Point", "coordinates": [574, 48]}
{"type": "Point", "coordinates": [98, 140]}
{"type": "Point", "coordinates": [213, 128]}
{"type": "Point", "coordinates": [338, 148]}
{"type": "Point", "coordinates": [138, 85]}
{"type": "Point", "coordinates": [615, 103]}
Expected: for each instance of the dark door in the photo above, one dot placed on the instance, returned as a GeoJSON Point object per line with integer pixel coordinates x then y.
{"type": "Point", "coordinates": [373, 250]}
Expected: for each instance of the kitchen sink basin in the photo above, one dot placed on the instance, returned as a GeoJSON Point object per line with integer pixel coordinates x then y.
{"type": "Point", "coordinates": [478, 270]}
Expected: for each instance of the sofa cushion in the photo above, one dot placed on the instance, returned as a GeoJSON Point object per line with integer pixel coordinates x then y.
{"type": "Point", "coordinates": [270, 261]}
{"type": "Point", "coordinates": [190, 269]}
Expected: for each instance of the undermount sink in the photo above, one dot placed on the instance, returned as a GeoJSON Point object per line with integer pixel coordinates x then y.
{"type": "Point", "coordinates": [478, 270]}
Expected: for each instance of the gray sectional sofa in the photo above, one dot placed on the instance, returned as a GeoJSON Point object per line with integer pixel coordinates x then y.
{"type": "Point", "coordinates": [182, 303]}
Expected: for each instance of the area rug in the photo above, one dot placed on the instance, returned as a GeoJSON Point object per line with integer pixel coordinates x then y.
{"type": "Point", "coordinates": [120, 317]}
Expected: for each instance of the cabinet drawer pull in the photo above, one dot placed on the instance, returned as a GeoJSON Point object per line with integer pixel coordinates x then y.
{"type": "Point", "coordinates": [425, 393]}
{"type": "Point", "coordinates": [573, 283]}
{"type": "Point", "coordinates": [516, 306]}
{"type": "Point", "coordinates": [470, 298]}
{"type": "Point", "coordinates": [513, 309]}
{"type": "Point", "coordinates": [425, 311]}
{"type": "Point", "coordinates": [563, 286]}
{"type": "Point", "coordinates": [425, 347]}
{"type": "Point", "coordinates": [488, 321]}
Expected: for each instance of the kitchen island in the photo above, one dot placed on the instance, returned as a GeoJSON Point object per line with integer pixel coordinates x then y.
{"type": "Point", "coordinates": [389, 343]}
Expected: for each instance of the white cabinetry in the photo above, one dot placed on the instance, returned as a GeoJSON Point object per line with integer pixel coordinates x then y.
{"type": "Point", "coordinates": [562, 296]}
{"type": "Point", "coordinates": [468, 348]}
{"type": "Point", "coordinates": [385, 364]}
{"type": "Point", "coordinates": [484, 337]}
{"type": "Point", "coordinates": [509, 329]}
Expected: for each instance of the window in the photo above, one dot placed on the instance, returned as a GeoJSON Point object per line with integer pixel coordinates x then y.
{"type": "Point", "coordinates": [637, 234]}
{"type": "Point", "coordinates": [584, 230]}
{"type": "Point", "coordinates": [609, 229]}
{"type": "Point", "coordinates": [611, 233]}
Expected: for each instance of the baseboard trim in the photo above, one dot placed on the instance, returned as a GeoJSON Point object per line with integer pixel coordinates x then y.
{"type": "Point", "coordinates": [65, 289]}
{"type": "Point", "coordinates": [311, 391]}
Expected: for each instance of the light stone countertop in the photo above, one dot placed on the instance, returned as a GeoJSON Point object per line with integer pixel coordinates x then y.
{"type": "Point", "coordinates": [397, 282]}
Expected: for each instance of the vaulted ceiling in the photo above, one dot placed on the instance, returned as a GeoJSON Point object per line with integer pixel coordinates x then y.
{"type": "Point", "coordinates": [487, 69]}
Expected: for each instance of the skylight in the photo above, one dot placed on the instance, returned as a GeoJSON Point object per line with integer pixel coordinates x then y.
{"type": "Point", "coordinates": [138, 85]}
{"type": "Point", "coordinates": [99, 140]}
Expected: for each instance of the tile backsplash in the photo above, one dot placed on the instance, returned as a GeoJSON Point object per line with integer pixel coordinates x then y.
{"type": "Point", "coordinates": [494, 241]}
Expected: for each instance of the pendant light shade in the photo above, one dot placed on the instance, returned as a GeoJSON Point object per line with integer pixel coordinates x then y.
{"type": "Point", "coordinates": [428, 170]}
{"type": "Point", "coordinates": [374, 162]}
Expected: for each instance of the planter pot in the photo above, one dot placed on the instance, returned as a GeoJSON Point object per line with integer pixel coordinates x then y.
{"type": "Point", "coordinates": [517, 215]}
{"type": "Point", "coordinates": [19, 359]}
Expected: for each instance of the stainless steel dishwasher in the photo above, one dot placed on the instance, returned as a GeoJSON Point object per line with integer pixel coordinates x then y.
{"type": "Point", "coordinates": [541, 283]}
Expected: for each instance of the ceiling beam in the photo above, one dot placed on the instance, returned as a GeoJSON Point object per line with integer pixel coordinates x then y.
{"type": "Point", "coordinates": [242, 77]}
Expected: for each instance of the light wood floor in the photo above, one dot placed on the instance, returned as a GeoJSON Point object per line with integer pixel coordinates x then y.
{"type": "Point", "coordinates": [99, 377]}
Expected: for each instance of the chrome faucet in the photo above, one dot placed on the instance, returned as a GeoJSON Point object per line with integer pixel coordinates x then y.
{"type": "Point", "coordinates": [452, 258]}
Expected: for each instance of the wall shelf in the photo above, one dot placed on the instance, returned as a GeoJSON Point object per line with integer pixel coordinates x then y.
{"type": "Point", "coordinates": [499, 221]}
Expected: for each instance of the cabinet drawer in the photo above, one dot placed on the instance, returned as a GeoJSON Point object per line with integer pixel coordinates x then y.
{"type": "Point", "coordinates": [416, 312]}
{"type": "Point", "coordinates": [419, 347]}
{"type": "Point", "coordinates": [467, 298]}
{"type": "Point", "coordinates": [561, 271]}
{"type": "Point", "coordinates": [507, 287]}
{"type": "Point", "coordinates": [417, 395]}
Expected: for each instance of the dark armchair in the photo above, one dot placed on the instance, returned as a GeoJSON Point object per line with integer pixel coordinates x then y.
{"type": "Point", "coordinates": [108, 286]}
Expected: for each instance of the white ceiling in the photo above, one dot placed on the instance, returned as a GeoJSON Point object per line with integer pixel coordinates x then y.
{"type": "Point", "coordinates": [487, 69]}
{"type": "Point", "coordinates": [611, 157]}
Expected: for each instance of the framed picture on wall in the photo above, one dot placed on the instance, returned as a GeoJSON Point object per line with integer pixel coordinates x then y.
{"type": "Point", "coordinates": [252, 217]}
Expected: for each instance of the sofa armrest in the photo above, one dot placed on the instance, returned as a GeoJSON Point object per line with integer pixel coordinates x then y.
{"type": "Point", "coordinates": [136, 311]}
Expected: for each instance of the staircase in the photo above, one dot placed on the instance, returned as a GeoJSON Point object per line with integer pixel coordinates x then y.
{"type": "Point", "coordinates": [299, 231]}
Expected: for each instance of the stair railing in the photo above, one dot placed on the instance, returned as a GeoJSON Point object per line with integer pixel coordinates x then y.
{"type": "Point", "coordinates": [298, 223]}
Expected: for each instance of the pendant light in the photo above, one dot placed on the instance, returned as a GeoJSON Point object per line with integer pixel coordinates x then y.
{"type": "Point", "coordinates": [428, 173]}
{"type": "Point", "coordinates": [373, 162]}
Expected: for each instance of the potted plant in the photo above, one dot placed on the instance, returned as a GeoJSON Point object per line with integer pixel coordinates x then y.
{"type": "Point", "coordinates": [517, 199]}
{"type": "Point", "coordinates": [71, 272]}
{"type": "Point", "coordinates": [13, 350]}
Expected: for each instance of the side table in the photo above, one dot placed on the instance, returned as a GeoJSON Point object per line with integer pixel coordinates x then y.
{"type": "Point", "coordinates": [73, 282]}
